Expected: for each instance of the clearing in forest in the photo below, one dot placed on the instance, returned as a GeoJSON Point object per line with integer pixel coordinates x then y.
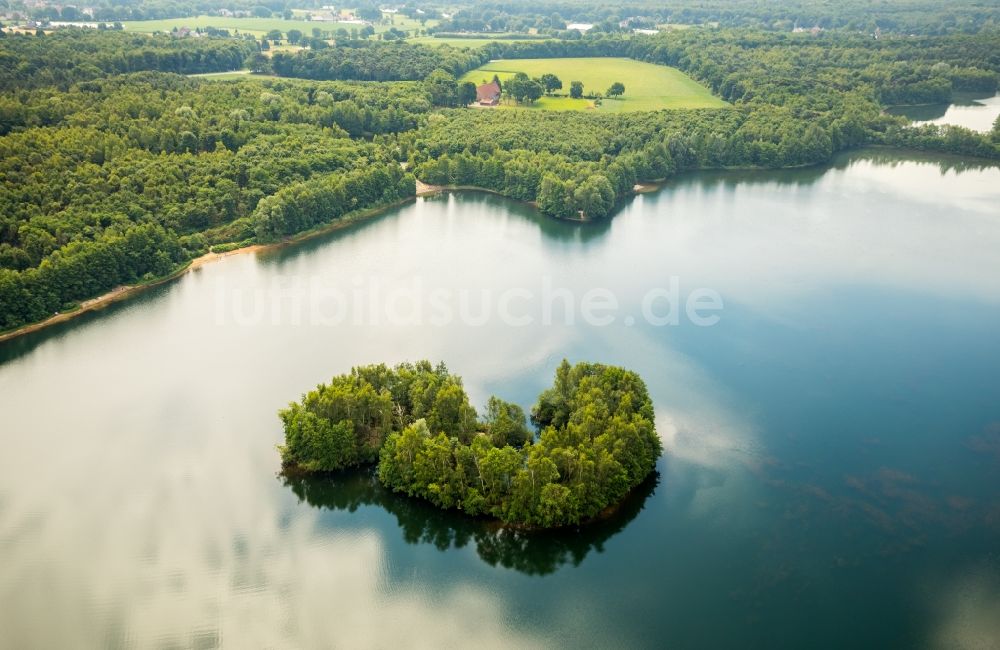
{"type": "Point", "coordinates": [648, 86]}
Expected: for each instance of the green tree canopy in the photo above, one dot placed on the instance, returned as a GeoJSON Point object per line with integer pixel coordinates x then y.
{"type": "Point", "coordinates": [442, 88]}
{"type": "Point", "coordinates": [550, 82]}
{"type": "Point", "coordinates": [523, 89]}
{"type": "Point", "coordinates": [597, 440]}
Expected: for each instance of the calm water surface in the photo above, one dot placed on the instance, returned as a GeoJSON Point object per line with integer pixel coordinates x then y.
{"type": "Point", "coordinates": [969, 110]}
{"type": "Point", "coordinates": [832, 466]}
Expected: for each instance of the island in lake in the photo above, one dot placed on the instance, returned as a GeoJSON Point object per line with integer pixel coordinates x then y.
{"type": "Point", "coordinates": [596, 440]}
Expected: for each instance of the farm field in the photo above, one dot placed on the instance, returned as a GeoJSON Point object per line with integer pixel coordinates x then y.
{"type": "Point", "coordinates": [647, 86]}
{"type": "Point", "coordinates": [260, 26]}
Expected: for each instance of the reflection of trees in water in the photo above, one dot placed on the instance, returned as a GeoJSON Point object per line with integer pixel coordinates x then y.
{"type": "Point", "coordinates": [920, 113]}
{"type": "Point", "coordinates": [556, 229]}
{"type": "Point", "coordinates": [895, 157]}
{"type": "Point", "coordinates": [929, 112]}
{"type": "Point", "coordinates": [730, 179]}
{"type": "Point", "coordinates": [531, 552]}
{"type": "Point", "coordinates": [21, 345]}
{"type": "Point", "coordinates": [551, 227]}
{"type": "Point", "coordinates": [804, 176]}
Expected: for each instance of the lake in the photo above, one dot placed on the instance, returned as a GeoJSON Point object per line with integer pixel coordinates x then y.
{"type": "Point", "coordinates": [971, 110]}
{"type": "Point", "coordinates": [832, 467]}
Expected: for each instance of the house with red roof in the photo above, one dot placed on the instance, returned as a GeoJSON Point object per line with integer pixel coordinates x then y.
{"type": "Point", "coordinates": [489, 94]}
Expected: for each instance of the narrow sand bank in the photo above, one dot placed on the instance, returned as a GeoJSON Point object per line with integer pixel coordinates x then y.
{"type": "Point", "coordinates": [125, 291]}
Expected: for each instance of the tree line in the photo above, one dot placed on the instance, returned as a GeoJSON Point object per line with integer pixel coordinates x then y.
{"type": "Point", "coordinates": [87, 154]}
{"type": "Point", "coordinates": [80, 170]}
{"type": "Point", "coordinates": [552, 17]}
{"type": "Point", "coordinates": [796, 101]}
{"type": "Point", "coordinates": [596, 440]}
{"type": "Point", "coordinates": [67, 56]}
{"type": "Point", "coordinates": [114, 10]}
{"type": "Point", "coordinates": [375, 61]}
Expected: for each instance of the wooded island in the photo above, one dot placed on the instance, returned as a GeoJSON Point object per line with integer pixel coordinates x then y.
{"type": "Point", "coordinates": [596, 442]}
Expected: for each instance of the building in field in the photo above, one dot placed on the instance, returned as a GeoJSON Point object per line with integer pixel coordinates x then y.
{"type": "Point", "coordinates": [489, 94]}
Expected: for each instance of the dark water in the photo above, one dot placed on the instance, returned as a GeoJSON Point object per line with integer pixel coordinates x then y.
{"type": "Point", "coordinates": [831, 479]}
{"type": "Point", "coordinates": [970, 110]}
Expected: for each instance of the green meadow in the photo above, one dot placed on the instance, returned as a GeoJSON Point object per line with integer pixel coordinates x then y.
{"type": "Point", "coordinates": [648, 87]}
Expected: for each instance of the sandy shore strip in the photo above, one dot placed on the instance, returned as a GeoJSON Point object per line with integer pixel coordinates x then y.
{"type": "Point", "coordinates": [424, 189]}
{"type": "Point", "coordinates": [124, 291]}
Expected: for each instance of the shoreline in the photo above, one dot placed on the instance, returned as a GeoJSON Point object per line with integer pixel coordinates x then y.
{"type": "Point", "coordinates": [122, 292]}
{"type": "Point", "coordinates": [608, 513]}
{"type": "Point", "coordinates": [126, 291]}
{"type": "Point", "coordinates": [425, 189]}
{"type": "Point", "coordinates": [422, 190]}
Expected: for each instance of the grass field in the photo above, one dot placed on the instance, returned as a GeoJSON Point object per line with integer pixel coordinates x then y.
{"type": "Point", "coordinates": [260, 26]}
{"type": "Point", "coordinates": [648, 87]}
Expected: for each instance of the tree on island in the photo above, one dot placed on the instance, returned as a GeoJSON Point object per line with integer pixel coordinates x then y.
{"type": "Point", "coordinates": [576, 89]}
{"type": "Point", "coordinates": [496, 545]}
{"type": "Point", "coordinates": [617, 89]}
{"type": "Point", "coordinates": [597, 440]}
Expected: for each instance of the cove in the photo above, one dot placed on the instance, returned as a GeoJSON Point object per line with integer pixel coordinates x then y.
{"type": "Point", "coordinates": [831, 444]}
{"type": "Point", "coordinates": [971, 110]}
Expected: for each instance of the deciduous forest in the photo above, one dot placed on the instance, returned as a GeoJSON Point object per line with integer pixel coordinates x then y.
{"type": "Point", "coordinates": [597, 440]}
{"type": "Point", "coordinates": [117, 169]}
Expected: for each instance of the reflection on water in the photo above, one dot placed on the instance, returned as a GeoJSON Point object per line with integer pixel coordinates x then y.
{"type": "Point", "coordinates": [832, 446]}
{"type": "Point", "coordinates": [894, 159]}
{"type": "Point", "coordinates": [457, 206]}
{"type": "Point", "coordinates": [970, 110]}
{"type": "Point", "coordinates": [530, 552]}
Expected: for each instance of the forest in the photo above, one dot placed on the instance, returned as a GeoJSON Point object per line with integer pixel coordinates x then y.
{"type": "Point", "coordinates": [117, 170]}
{"type": "Point", "coordinates": [904, 16]}
{"type": "Point", "coordinates": [70, 56]}
{"type": "Point", "coordinates": [796, 101]}
{"type": "Point", "coordinates": [88, 179]}
{"type": "Point", "coordinates": [552, 16]}
{"type": "Point", "coordinates": [375, 61]}
{"type": "Point", "coordinates": [596, 440]}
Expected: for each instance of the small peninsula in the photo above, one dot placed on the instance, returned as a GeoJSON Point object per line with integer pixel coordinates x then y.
{"type": "Point", "coordinates": [596, 440]}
